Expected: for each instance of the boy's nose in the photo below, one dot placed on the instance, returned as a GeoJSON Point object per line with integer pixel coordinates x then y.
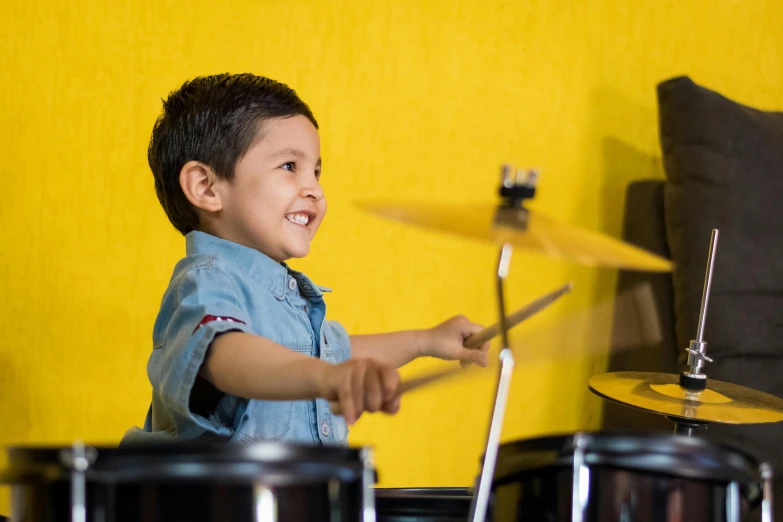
{"type": "Point", "coordinates": [312, 189]}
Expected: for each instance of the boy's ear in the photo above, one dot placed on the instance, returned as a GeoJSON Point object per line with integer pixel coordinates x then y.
{"type": "Point", "coordinates": [198, 183]}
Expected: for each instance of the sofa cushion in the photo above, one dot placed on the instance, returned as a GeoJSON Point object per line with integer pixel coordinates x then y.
{"type": "Point", "coordinates": [724, 169]}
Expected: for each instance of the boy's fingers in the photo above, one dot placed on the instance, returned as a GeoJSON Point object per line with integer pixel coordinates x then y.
{"type": "Point", "coordinates": [473, 328]}
{"type": "Point", "coordinates": [357, 387]}
{"type": "Point", "coordinates": [345, 397]}
{"type": "Point", "coordinates": [480, 356]}
{"type": "Point", "coordinates": [372, 390]}
{"type": "Point", "coordinates": [390, 380]}
{"type": "Point", "coordinates": [469, 356]}
{"type": "Point", "coordinates": [392, 406]}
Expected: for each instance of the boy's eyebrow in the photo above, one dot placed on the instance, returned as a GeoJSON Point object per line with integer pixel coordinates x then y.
{"type": "Point", "coordinates": [290, 151]}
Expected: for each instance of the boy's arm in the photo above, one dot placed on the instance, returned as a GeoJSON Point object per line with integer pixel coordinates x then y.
{"type": "Point", "coordinates": [445, 341]}
{"type": "Point", "coordinates": [254, 367]}
{"type": "Point", "coordinates": [394, 349]}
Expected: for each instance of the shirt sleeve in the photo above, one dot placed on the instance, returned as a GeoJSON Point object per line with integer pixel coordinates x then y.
{"type": "Point", "coordinates": [203, 304]}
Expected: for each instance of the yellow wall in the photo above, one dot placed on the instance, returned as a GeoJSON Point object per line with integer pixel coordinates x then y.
{"type": "Point", "coordinates": [418, 100]}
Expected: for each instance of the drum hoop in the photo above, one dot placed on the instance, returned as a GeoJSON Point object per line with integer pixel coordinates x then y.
{"type": "Point", "coordinates": [633, 451]}
{"type": "Point", "coordinates": [232, 463]}
{"type": "Point", "coordinates": [265, 451]}
{"type": "Point", "coordinates": [426, 493]}
{"type": "Point", "coordinates": [412, 503]}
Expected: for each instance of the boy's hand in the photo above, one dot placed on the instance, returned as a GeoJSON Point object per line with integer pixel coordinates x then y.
{"type": "Point", "coordinates": [446, 341]}
{"type": "Point", "coordinates": [360, 385]}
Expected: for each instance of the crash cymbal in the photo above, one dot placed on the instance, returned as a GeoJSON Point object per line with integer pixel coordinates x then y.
{"type": "Point", "coordinates": [661, 393]}
{"type": "Point", "coordinates": [527, 229]}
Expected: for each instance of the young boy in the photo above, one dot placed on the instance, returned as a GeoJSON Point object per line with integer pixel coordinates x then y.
{"type": "Point", "coordinates": [241, 347]}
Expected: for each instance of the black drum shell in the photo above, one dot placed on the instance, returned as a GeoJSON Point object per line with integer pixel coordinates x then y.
{"type": "Point", "coordinates": [644, 478]}
{"type": "Point", "coordinates": [190, 482]}
{"type": "Point", "coordinates": [422, 504]}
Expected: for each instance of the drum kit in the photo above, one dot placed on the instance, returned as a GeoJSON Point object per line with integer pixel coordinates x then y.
{"type": "Point", "coordinates": [578, 477]}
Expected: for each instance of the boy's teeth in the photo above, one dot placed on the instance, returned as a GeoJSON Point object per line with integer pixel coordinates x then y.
{"type": "Point", "coordinates": [301, 219]}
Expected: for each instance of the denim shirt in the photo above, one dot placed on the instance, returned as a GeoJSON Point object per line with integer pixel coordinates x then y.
{"type": "Point", "coordinates": [221, 286]}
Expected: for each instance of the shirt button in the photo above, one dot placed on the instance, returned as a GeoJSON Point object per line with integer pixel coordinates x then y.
{"type": "Point", "coordinates": [325, 429]}
{"type": "Point", "coordinates": [292, 284]}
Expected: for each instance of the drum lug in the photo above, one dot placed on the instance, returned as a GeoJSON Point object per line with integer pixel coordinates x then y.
{"type": "Point", "coordinates": [580, 489]}
{"type": "Point", "coordinates": [766, 493]}
{"type": "Point", "coordinates": [733, 509]}
{"type": "Point", "coordinates": [78, 459]}
{"type": "Point", "coordinates": [368, 483]}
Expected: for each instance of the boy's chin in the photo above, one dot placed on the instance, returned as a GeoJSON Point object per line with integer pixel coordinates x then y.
{"type": "Point", "coordinates": [298, 252]}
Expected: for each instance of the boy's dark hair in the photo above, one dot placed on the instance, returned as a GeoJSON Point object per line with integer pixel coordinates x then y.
{"type": "Point", "coordinates": [212, 119]}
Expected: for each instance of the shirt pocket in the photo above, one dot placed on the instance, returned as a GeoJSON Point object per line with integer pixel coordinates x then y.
{"type": "Point", "coordinates": [265, 421]}
{"type": "Point", "coordinates": [332, 349]}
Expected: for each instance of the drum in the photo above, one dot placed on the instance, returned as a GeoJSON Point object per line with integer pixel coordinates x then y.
{"type": "Point", "coordinates": [623, 477]}
{"type": "Point", "coordinates": [193, 483]}
{"type": "Point", "coordinates": [422, 504]}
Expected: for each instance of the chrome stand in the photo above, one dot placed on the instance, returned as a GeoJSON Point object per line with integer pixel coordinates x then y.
{"type": "Point", "coordinates": [687, 428]}
{"type": "Point", "coordinates": [694, 380]}
{"type": "Point", "coordinates": [511, 214]}
{"type": "Point", "coordinates": [481, 497]}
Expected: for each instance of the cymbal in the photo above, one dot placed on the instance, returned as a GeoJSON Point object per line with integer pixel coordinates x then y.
{"type": "Point", "coordinates": [661, 393]}
{"type": "Point", "coordinates": [524, 228]}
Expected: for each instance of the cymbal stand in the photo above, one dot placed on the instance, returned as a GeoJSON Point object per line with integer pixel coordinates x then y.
{"type": "Point", "coordinates": [686, 427]}
{"type": "Point", "coordinates": [513, 214]}
{"type": "Point", "coordinates": [693, 380]}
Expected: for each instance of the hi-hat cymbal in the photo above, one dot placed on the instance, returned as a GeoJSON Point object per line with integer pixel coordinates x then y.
{"type": "Point", "coordinates": [527, 229]}
{"type": "Point", "coordinates": [721, 402]}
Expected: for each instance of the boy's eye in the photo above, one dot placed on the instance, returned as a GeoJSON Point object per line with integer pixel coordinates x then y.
{"type": "Point", "coordinates": [289, 166]}
{"type": "Point", "coordinates": [318, 174]}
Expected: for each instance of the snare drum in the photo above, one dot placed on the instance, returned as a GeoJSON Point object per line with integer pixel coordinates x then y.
{"type": "Point", "coordinates": [422, 504]}
{"type": "Point", "coordinates": [623, 477]}
{"type": "Point", "coordinates": [193, 483]}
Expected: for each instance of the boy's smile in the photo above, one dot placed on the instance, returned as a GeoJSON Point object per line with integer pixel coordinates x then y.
{"type": "Point", "coordinates": [275, 202]}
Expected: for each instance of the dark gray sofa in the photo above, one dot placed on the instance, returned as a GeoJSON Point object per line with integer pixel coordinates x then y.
{"type": "Point", "coordinates": [724, 169]}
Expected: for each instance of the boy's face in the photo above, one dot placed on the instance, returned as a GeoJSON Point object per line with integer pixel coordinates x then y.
{"type": "Point", "coordinates": [275, 202]}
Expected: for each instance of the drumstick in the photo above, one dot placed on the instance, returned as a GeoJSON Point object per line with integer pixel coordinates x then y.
{"type": "Point", "coordinates": [477, 339]}
{"type": "Point", "coordinates": [487, 334]}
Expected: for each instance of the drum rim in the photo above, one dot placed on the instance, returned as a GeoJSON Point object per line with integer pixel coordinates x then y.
{"type": "Point", "coordinates": [445, 492]}
{"type": "Point", "coordinates": [742, 466]}
{"type": "Point", "coordinates": [425, 502]}
{"type": "Point", "coordinates": [253, 451]}
{"type": "Point", "coordinates": [178, 460]}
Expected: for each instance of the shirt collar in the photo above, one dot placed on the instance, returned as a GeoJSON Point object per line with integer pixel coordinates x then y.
{"type": "Point", "coordinates": [252, 263]}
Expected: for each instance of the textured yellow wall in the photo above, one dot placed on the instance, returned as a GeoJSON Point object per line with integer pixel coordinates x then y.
{"type": "Point", "coordinates": [417, 100]}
